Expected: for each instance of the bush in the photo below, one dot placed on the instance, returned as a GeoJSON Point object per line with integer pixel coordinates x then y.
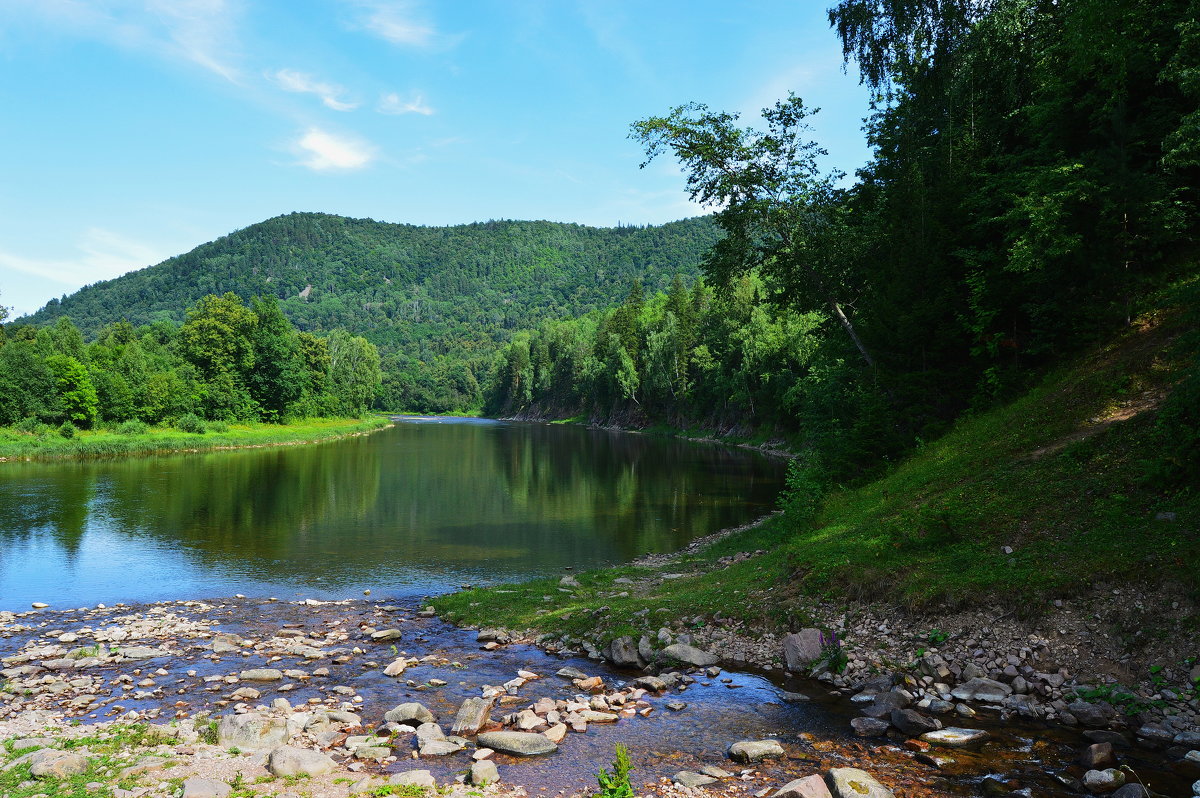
{"type": "Point", "coordinates": [616, 784]}
{"type": "Point", "coordinates": [68, 430]}
{"type": "Point", "coordinates": [218, 426]}
{"type": "Point", "coordinates": [134, 427]}
{"type": "Point", "coordinates": [190, 422]}
{"type": "Point", "coordinates": [31, 425]}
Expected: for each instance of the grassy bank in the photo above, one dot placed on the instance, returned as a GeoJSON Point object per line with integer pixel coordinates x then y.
{"type": "Point", "coordinates": [1038, 499]}
{"type": "Point", "coordinates": [49, 445]}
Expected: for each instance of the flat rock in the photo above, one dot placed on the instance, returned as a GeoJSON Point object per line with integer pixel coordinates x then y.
{"type": "Point", "coordinates": [571, 673]}
{"type": "Point", "coordinates": [912, 722]}
{"type": "Point", "coordinates": [290, 761]}
{"type": "Point", "coordinates": [883, 704]}
{"type": "Point", "coordinates": [49, 763]}
{"type": "Point", "coordinates": [251, 731]}
{"type": "Point", "coordinates": [517, 743]}
{"type": "Point", "coordinates": [869, 727]}
{"type": "Point", "coordinates": [410, 714]}
{"type": "Point", "coordinates": [1103, 781]}
{"type": "Point", "coordinates": [386, 635]}
{"type": "Point", "coordinates": [414, 778]}
{"type": "Point", "coordinates": [689, 779]}
{"type": "Point", "coordinates": [690, 655]}
{"type": "Point", "coordinates": [808, 787]}
{"type": "Point", "coordinates": [748, 751]}
{"type": "Point", "coordinates": [981, 689]}
{"type": "Point", "coordinates": [396, 667]}
{"type": "Point", "coordinates": [484, 772]}
{"type": "Point", "coordinates": [197, 787]}
{"type": "Point", "coordinates": [142, 652]}
{"type": "Point", "coordinates": [955, 737]}
{"type": "Point", "coordinates": [261, 675]}
{"type": "Point", "coordinates": [855, 783]}
{"type": "Point", "coordinates": [437, 747]}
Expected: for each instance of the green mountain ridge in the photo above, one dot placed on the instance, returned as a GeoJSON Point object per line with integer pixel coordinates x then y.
{"type": "Point", "coordinates": [438, 301]}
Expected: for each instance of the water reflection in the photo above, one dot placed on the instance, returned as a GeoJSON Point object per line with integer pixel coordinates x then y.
{"type": "Point", "coordinates": [415, 509]}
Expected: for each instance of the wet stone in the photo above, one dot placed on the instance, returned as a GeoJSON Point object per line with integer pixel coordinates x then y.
{"type": "Point", "coordinates": [749, 751]}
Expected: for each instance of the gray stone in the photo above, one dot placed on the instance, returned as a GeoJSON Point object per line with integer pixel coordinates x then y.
{"type": "Point", "coordinates": [1188, 738]}
{"type": "Point", "coordinates": [808, 787]}
{"type": "Point", "coordinates": [748, 751]}
{"type": "Point", "coordinates": [689, 779]}
{"type": "Point", "coordinates": [472, 716]}
{"type": "Point", "coordinates": [912, 722]}
{"type": "Point", "coordinates": [1103, 781]}
{"type": "Point", "coordinates": [197, 787]}
{"type": "Point", "coordinates": [1114, 738]}
{"type": "Point", "coordinates": [623, 653]}
{"type": "Point", "coordinates": [571, 673]}
{"type": "Point", "coordinates": [414, 778]}
{"type": "Point", "coordinates": [716, 772]}
{"type": "Point", "coordinates": [251, 731]}
{"type": "Point", "coordinates": [793, 698]}
{"type": "Point", "coordinates": [869, 727]}
{"type": "Point", "coordinates": [32, 742]}
{"type": "Point", "coordinates": [290, 761]}
{"type": "Point", "coordinates": [49, 763]}
{"type": "Point", "coordinates": [801, 649]}
{"type": "Point", "coordinates": [954, 737]}
{"type": "Point", "coordinates": [484, 772]}
{"type": "Point", "coordinates": [142, 652]}
{"type": "Point", "coordinates": [437, 747]}
{"type": "Point", "coordinates": [855, 783]}
{"type": "Point", "coordinates": [386, 635]}
{"type": "Point", "coordinates": [410, 714]}
{"type": "Point", "coordinates": [1098, 756]}
{"type": "Point", "coordinates": [652, 683]}
{"type": "Point", "coordinates": [884, 704]}
{"type": "Point", "coordinates": [494, 636]}
{"type": "Point", "coordinates": [690, 655]}
{"type": "Point", "coordinates": [261, 675]}
{"type": "Point", "coordinates": [372, 753]}
{"type": "Point", "coordinates": [1092, 715]}
{"type": "Point", "coordinates": [517, 743]}
{"type": "Point", "coordinates": [1133, 790]}
{"type": "Point", "coordinates": [981, 689]}
{"type": "Point", "coordinates": [1156, 733]}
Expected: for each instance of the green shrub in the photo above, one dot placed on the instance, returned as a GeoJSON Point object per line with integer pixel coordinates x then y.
{"type": "Point", "coordinates": [133, 427]}
{"type": "Point", "coordinates": [190, 422]}
{"type": "Point", "coordinates": [218, 426]}
{"type": "Point", "coordinates": [617, 784]}
{"type": "Point", "coordinates": [68, 430]}
{"type": "Point", "coordinates": [31, 425]}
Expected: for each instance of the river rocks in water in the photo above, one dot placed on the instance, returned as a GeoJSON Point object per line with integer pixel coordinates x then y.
{"type": "Point", "coordinates": [410, 714]}
{"type": "Point", "coordinates": [484, 772]}
{"type": "Point", "coordinates": [142, 652]}
{"type": "Point", "coordinates": [571, 673]}
{"type": "Point", "coordinates": [472, 716]}
{"type": "Point", "coordinates": [652, 683]}
{"type": "Point", "coordinates": [884, 704]}
{"type": "Point", "coordinates": [869, 727]}
{"type": "Point", "coordinates": [981, 689]}
{"type": "Point", "coordinates": [1094, 715]}
{"type": "Point", "coordinates": [1098, 756]}
{"type": "Point", "coordinates": [1187, 738]}
{"type": "Point", "coordinates": [1155, 734]}
{"type": "Point", "coordinates": [690, 655]}
{"type": "Point", "coordinates": [808, 787]}
{"type": "Point", "coordinates": [1103, 781]}
{"type": "Point", "coordinates": [689, 779]}
{"type": "Point", "coordinates": [954, 737]}
{"type": "Point", "coordinates": [261, 675]}
{"type": "Point", "coordinates": [197, 787]}
{"type": "Point", "coordinates": [290, 761]}
{"type": "Point", "coordinates": [855, 783]}
{"type": "Point", "coordinates": [396, 667]}
{"type": "Point", "coordinates": [494, 636]}
{"type": "Point", "coordinates": [801, 649]}
{"type": "Point", "coordinates": [1114, 738]}
{"type": "Point", "coordinates": [414, 778]}
{"type": "Point", "coordinates": [386, 635]}
{"type": "Point", "coordinates": [748, 751]}
{"type": "Point", "coordinates": [517, 743]}
{"type": "Point", "coordinates": [623, 653]}
{"type": "Point", "coordinates": [910, 721]}
{"type": "Point", "coordinates": [49, 763]}
{"type": "Point", "coordinates": [251, 731]}
{"type": "Point", "coordinates": [676, 706]}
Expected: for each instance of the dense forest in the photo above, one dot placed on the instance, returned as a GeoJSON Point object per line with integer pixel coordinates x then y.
{"type": "Point", "coordinates": [437, 301]}
{"type": "Point", "coordinates": [228, 361]}
{"type": "Point", "coordinates": [1034, 177]}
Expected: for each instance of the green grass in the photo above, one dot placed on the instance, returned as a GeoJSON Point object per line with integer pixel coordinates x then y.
{"type": "Point", "coordinates": [16, 445]}
{"type": "Point", "coordinates": [1057, 475]}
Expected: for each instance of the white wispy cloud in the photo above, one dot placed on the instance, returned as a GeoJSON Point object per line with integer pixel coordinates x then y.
{"type": "Point", "coordinates": [323, 151]}
{"type": "Point", "coordinates": [395, 105]}
{"type": "Point", "coordinates": [101, 255]}
{"type": "Point", "coordinates": [401, 22]}
{"type": "Point", "coordinates": [202, 32]}
{"type": "Point", "coordinates": [331, 94]}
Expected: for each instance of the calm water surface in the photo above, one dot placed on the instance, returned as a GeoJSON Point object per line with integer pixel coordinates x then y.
{"type": "Point", "coordinates": [414, 510]}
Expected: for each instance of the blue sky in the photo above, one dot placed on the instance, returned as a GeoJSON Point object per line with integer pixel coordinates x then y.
{"type": "Point", "coordinates": [134, 130]}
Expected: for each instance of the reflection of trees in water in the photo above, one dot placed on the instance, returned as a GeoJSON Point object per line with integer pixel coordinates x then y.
{"type": "Point", "coordinates": [508, 498]}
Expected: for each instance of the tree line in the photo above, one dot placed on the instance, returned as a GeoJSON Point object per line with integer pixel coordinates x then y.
{"type": "Point", "coordinates": [228, 361]}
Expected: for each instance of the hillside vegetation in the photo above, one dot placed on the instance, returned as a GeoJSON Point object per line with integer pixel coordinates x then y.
{"type": "Point", "coordinates": [437, 301]}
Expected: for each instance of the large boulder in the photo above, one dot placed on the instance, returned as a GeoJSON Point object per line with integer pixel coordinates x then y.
{"type": "Point", "coordinates": [1094, 715]}
{"type": "Point", "coordinates": [51, 764]}
{"type": "Point", "coordinates": [289, 761]}
{"type": "Point", "coordinates": [855, 783]}
{"type": "Point", "coordinates": [869, 727]}
{"type": "Point", "coordinates": [1104, 781]}
{"type": "Point", "coordinates": [912, 722]}
{"type": "Point", "coordinates": [808, 787]}
{"type": "Point", "coordinates": [690, 655]}
{"type": "Point", "coordinates": [484, 772]}
{"type": "Point", "coordinates": [801, 649]}
{"type": "Point", "coordinates": [251, 732]}
{"type": "Point", "coordinates": [410, 714]}
{"type": "Point", "coordinates": [981, 689]}
{"type": "Point", "coordinates": [197, 787]}
{"type": "Point", "coordinates": [517, 743]}
{"type": "Point", "coordinates": [623, 653]}
{"type": "Point", "coordinates": [472, 716]}
{"type": "Point", "coordinates": [884, 704]}
{"type": "Point", "coordinates": [748, 751]}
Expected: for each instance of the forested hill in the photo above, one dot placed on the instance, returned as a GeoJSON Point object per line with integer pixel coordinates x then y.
{"type": "Point", "coordinates": [436, 300]}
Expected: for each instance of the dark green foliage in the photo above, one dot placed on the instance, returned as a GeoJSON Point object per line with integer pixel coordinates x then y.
{"type": "Point", "coordinates": [616, 784]}
{"type": "Point", "coordinates": [133, 427]}
{"type": "Point", "coordinates": [437, 301]}
{"type": "Point", "coordinates": [190, 422]}
{"type": "Point", "coordinates": [67, 430]}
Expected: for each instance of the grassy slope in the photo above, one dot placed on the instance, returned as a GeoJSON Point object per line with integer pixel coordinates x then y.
{"type": "Point", "coordinates": [104, 443]}
{"type": "Point", "coordinates": [1054, 475]}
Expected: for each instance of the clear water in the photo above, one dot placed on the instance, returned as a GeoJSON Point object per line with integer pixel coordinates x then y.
{"type": "Point", "coordinates": [414, 510]}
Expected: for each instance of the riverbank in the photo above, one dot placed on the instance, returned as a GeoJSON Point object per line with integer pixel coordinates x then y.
{"type": "Point", "coordinates": [15, 445]}
{"type": "Point", "coordinates": [240, 697]}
